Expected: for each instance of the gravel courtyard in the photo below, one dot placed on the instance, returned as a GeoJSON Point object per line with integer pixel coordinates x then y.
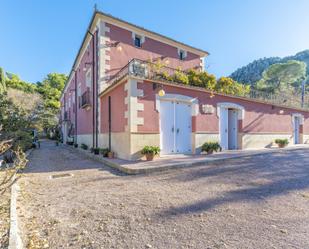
{"type": "Point", "coordinates": [258, 202]}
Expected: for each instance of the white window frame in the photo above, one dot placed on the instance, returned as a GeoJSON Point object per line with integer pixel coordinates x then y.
{"type": "Point", "coordinates": [141, 37]}
{"type": "Point", "coordinates": [79, 89]}
{"type": "Point", "coordinates": [69, 100]}
{"type": "Point", "coordinates": [88, 78]}
{"type": "Point", "coordinates": [179, 51]}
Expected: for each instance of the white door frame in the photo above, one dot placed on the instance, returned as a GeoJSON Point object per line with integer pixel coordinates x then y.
{"type": "Point", "coordinates": [300, 118]}
{"type": "Point", "coordinates": [223, 108]}
{"type": "Point", "coordinates": [178, 98]}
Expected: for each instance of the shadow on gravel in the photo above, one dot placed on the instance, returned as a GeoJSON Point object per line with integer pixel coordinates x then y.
{"type": "Point", "coordinates": [276, 174]}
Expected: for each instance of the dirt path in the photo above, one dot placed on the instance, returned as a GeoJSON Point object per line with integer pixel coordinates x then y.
{"type": "Point", "coordinates": [259, 202]}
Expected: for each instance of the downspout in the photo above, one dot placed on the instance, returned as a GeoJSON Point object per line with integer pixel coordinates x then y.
{"type": "Point", "coordinates": [75, 106]}
{"type": "Point", "coordinates": [97, 93]}
{"type": "Point", "coordinates": [93, 90]}
{"type": "Point", "coordinates": [109, 124]}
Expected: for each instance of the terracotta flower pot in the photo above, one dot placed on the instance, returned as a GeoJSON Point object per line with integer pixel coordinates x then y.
{"type": "Point", "coordinates": [110, 154]}
{"type": "Point", "coordinates": [149, 156]}
{"type": "Point", "coordinates": [210, 152]}
{"type": "Point", "coordinates": [281, 145]}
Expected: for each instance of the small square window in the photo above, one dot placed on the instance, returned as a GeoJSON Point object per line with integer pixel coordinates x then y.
{"type": "Point", "coordinates": [137, 41]}
{"type": "Point", "coordinates": [181, 55]}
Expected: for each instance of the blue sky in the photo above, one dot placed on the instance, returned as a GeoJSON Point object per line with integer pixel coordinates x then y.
{"type": "Point", "coordinates": [38, 37]}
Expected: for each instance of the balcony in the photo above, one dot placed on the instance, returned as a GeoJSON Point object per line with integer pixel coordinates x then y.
{"type": "Point", "coordinates": [85, 99]}
{"type": "Point", "coordinates": [155, 72]}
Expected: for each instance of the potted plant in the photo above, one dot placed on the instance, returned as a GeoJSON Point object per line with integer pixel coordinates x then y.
{"type": "Point", "coordinates": [282, 142]}
{"type": "Point", "coordinates": [84, 146]}
{"type": "Point", "coordinates": [96, 151]}
{"type": "Point", "coordinates": [150, 152]}
{"type": "Point", "coordinates": [210, 147]}
{"type": "Point", "coordinates": [110, 154]}
{"type": "Point", "coordinates": [104, 152]}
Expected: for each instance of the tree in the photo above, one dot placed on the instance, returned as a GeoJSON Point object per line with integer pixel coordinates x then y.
{"type": "Point", "coordinates": [51, 89]}
{"type": "Point", "coordinates": [13, 81]}
{"type": "Point", "coordinates": [2, 81]}
{"type": "Point", "coordinates": [282, 77]}
{"type": "Point", "coordinates": [229, 86]}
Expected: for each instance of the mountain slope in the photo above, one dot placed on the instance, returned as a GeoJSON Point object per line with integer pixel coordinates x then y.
{"type": "Point", "coordinates": [252, 72]}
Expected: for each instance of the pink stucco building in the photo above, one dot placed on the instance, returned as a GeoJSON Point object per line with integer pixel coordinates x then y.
{"type": "Point", "coordinates": [112, 99]}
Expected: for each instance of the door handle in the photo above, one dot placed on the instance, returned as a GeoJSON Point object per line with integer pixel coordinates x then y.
{"type": "Point", "coordinates": [178, 130]}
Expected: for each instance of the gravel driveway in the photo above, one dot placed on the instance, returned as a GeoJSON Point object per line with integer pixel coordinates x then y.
{"type": "Point", "coordinates": [258, 202]}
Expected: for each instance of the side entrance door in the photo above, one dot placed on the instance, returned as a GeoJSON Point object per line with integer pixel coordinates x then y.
{"type": "Point", "coordinates": [232, 129]}
{"type": "Point", "coordinates": [296, 130]}
{"type": "Point", "coordinates": [228, 124]}
{"type": "Point", "coordinates": [65, 132]}
{"type": "Point", "coordinates": [175, 127]}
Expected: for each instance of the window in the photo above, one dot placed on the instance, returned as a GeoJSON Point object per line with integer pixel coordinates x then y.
{"type": "Point", "coordinates": [79, 90]}
{"type": "Point", "coordinates": [79, 93]}
{"type": "Point", "coordinates": [70, 102]}
{"type": "Point", "coordinates": [137, 41]}
{"type": "Point", "coordinates": [181, 55]}
{"type": "Point", "coordinates": [88, 78]}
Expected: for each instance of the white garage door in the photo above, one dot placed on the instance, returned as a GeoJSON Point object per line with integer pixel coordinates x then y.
{"type": "Point", "coordinates": [175, 127]}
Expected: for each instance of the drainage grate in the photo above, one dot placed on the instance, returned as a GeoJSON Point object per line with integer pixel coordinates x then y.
{"type": "Point", "coordinates": [61, 176]}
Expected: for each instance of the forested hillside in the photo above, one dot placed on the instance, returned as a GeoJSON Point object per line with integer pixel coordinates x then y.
{"type": "Point", "coordinates": [253, 72]}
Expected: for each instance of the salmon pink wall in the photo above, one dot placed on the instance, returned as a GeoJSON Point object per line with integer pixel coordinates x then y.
{"type": "Point", "coordinates": [84, 117]}
{"type": "Point", "coordinates": [118, 108]}
{"type": "Point", "coordinates": [259, 117]}
{"type": "Point", "coordinates": [151, 49]}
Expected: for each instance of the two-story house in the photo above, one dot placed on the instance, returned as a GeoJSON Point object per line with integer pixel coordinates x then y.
{"type": "Point", "coordinates": [119, 96]}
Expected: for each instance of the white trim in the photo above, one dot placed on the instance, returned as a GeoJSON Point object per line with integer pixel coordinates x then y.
{"type": "Point", "coordinates": [227, 105]}
{"type": "Point", "coordinates": [133, 106]}
{"type": "Point", "coordinates": [181, 98]}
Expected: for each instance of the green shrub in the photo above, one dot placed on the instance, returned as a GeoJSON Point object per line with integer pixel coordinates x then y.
{"type": "Point", "coordinates": [282, 142]}
{"type": "Point", "coordinates": [84, 146]}
{"type": "Point", "coordinates": [150, 150]}
{"type": "Point", "coordinates": [210, 147]}
{"type": "Point", "coordinates": [96, 151]}
{"type": "Point", "coordinates": [23, 140]}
